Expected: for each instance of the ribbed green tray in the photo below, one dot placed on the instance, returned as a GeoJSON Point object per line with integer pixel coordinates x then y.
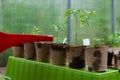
{"type": "Point", "coordinates": [22, 69]}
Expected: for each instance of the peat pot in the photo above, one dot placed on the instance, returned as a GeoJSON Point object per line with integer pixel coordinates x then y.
{"type": "Point", "coordinates": [110, 57]}
{"type": "Point", "coordinates": [116, 52]}
{"type": "Point", "coordinates": [29, 49]}
{"type": "Point", "coordinates": [58, 54]}
{"type": "Point", "coordinates": [75, 56]}
{"type": "Point", "coordinates": [42, 51]}
{"type": "Point", "coordinates": [18, 50]}
{"type": "Point", "coordinates": [96, 58]}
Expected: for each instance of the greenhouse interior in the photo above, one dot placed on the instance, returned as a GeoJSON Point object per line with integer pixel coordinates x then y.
{"type": "Point", "coordinates": [59, 40]}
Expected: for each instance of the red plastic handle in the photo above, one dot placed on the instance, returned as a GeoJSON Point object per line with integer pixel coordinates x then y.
{"type": "Point", "coordinates": [9, 40]}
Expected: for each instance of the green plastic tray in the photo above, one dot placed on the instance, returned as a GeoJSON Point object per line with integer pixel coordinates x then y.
{"type": "Point", "coordinates": [22, 69]}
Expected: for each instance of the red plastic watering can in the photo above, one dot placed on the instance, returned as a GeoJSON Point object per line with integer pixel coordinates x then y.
{"type": "Point", "coordinates": [9, 40]}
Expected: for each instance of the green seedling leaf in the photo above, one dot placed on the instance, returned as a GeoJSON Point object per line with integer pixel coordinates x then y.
{"type": "Point", "coordinates": [55, 27]}
{"type": "Point", "coordinates": [92, 13]}
{"type": "Point", "coordinates": [67, 13]}
{"type": "Point", "coordinates": [83, 19]}
{"type": "Point", "coordinates": [37, 30]}
{"type": "Point", "coordinates": [76, 13]}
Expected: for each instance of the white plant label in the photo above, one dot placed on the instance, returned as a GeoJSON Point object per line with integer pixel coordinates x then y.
{"type": "Point", "coordinates": [86, 42]}
{"type": "Point", "coordinates": [110, 50]}
{"type": "Point", "coordinates": [65, 40]}
{"type": "Point", "coordinates": [116, 51]}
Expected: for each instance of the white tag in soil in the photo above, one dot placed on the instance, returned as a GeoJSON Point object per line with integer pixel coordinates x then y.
{"type": "Point", "coordinates": [86, 42]}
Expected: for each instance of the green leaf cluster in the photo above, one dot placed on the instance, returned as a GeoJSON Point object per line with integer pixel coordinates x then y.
{"type": "Point", "coordinates": [36, 30]}
{"type": "Point", "coordinates": [99, 42]}
{"type": "Point", "coordinates": [113, 40]}
{"type": "Point", "coordinates": [76, 13]}
{"type": "Point", "coordinates": [58, 28]}
{"type": "Point", "coordinates": [82, 14]}
{"type": "Point", "coordinates": [85, 16]}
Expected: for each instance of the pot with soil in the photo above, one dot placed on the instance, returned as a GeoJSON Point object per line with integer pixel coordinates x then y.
{"type": "Point", "coordinates": [96, 58]}
{"type": "Point", "coordinates": [42, 51]}
{"type": "Point", "coordinates": [116, 52]}
{"type": "Point", "coordinates": [18, 50]}
{"type": "Point", "coordinates": [58, 54]}
{"type": "Point", "coordinates": [75, 56]}
{"type": "Point", "coordinates": [29, 49]}
{"type": "Point", "coordinates": [110, 58]}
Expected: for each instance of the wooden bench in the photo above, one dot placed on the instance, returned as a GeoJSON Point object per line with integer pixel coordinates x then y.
{"type": "Point", "coordinates": [22, 69]}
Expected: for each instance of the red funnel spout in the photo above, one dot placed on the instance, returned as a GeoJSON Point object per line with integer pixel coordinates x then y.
{"type": "Point", "coordinates": [9, 40]}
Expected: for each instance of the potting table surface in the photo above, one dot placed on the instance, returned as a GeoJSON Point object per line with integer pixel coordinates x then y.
{"type": "Point", "coordinates": [22, 69]}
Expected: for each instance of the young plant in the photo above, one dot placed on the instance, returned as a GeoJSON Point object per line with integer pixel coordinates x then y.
{"type": "Point", "coordinates": [37, 30]}
{"type": "Point", "coordinates": [85, 19]}
{"type": "Point", "coordinates": [113, 40]}
{"type": "Point", "coordinates": [76, 14]}
{"type": "Point", "coordinates": [99, 42]}
{"type": "Point", "coordinates": [82, 16]}
{"type": "Point", "coordinates": [57, 29]}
